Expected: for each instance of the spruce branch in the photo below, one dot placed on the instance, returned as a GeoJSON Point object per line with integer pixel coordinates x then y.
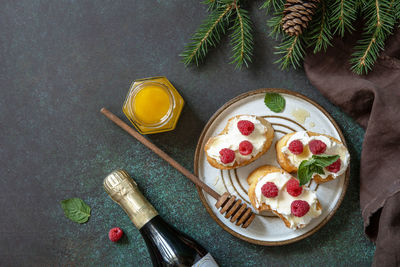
{"type": "Point", "coordinates": [208, 35]}
{"type": "Point", "coordinates": [320, 34]}
{"type": "Point", "coordinates": [241, 38]}
{"type": "Point", "coordinates": [396, 9]}
{"type": "Point", "coordinates": [358, 5]}
{"type": "Point", "coordinates": [319, 25]}
{"type": "Point", "coordinates": [392, 4]}
{"type": "Point", "coordinates": [275, 24]}
{"type": "Point", "coordinates": [215, 4]}
{"type": "Point", "coordinates": [343, 14]}
{"type": "Point", "coordinates": [212, 4]}
{"type": "Point", "coordinates": [378, 27]}
{"type": "Point", "coordinates": [274, 4]}
{"type": "Point", "coordinates": [292, 49]}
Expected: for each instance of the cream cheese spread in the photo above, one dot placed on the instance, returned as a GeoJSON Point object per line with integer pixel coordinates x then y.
{"type": "Point", "coordinates": [232, 138]}
{"type": "Point", "coordinates": [332, 148]}
{"type": "Point", "coordinates": [282, 202]}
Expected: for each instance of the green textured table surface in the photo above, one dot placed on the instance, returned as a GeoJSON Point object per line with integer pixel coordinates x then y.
{"type": "Point", "coordinates": [61, 61]}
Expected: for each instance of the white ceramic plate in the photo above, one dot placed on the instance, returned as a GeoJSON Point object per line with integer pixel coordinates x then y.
{"type": "Point", "coordinates": [267, 229]}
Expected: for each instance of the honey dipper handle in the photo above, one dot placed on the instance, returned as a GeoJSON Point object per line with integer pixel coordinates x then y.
{"type": "Point", "coordinates": [159, 152]}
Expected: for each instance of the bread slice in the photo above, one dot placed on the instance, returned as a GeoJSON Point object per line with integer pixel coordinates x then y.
{"type": "Point", "coordinates": [284, 162]}
{"type": "Point", "coordinates": [269, 135]}
{"type": "Point", "coordinates": [253, 179]}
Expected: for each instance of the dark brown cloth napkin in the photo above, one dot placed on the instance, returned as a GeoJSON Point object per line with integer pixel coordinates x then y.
{"type": "Point", "coordinates": [374, 102]}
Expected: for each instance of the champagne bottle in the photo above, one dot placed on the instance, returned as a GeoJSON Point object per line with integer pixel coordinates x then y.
{"type": "Point", "coordinates": [166, 245]}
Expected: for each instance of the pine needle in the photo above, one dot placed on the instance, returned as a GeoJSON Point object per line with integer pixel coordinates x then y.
{"type": "Point", "coordinates": [395, 5]}
{"type": "Point", "coordinates": [292, 49]}
{"type": "Point", "coordinates": [208, 35]}
{"type": "Point", "coordinates": [275, 23]}
{"type": "Point", "coordinates": [275, 4]}
{"type": "Point", "coordinates": [333, 17]}
{"type": "Point", "coordinates": [320, 34]}
{"type": "Point", "coordinates": [377, 28]}
{"type": "Point", "coordinates": [212, 4]}
{"type": "Point", "coordinates": [241, 38]}
{"type": "Point", "coordinates": [343, 15]}
{"type": "Point", "coordinates": [358, 5]}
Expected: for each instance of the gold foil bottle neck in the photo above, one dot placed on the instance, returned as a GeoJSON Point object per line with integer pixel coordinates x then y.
{"type": "Point", "coordinates": [124, 191]}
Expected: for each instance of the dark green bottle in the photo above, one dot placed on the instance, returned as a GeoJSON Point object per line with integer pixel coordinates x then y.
{"type": "Point", "coordinates": [167, 246]}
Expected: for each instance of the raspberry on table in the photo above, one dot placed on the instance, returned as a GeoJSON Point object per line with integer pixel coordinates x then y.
{"type": "Point", "coordinates": [226, 155]}
{"type": "Point", "coordinates": [334, 167]}
{"type": "Point", "coordinates": [293, 187]}
{"type": "Point", "coordinates": [115, 234]}
{"type": "Point", "coordinates": [245, 127]}
{"type": "Point", "coordinates": [245, 148]}
{"type": "Point", "coordinates": [299, 208]}
{"type": "Point", "coordinates": [269, 189]}
{"type": "Point", "coordinates": [296, 147]}
{"type": "Point", "coordinates": [317, 147]}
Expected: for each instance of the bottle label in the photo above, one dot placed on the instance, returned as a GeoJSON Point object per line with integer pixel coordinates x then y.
{"type": "Point", "coordinates": [206, 261]}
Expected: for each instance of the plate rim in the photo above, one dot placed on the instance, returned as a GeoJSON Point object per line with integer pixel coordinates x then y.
{"type": "Point", "coordinates": [199, 149]}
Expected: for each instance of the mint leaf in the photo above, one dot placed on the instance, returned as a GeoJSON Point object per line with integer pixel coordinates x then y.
{"type": "Point", "coordinates": [325, 160]}
{"type": "Point", "coordinates": [308, 162]}
{"type": "Point", "coordinates": [315, 164]}
{"type": "Point", "coordinates": [317, 169]}
{"type": "Point", "coordinates": [76, 210]}
{"type": "Point", "coordinates": [275, 102]}
{"type": "Point", "coordinates": [304, 173]}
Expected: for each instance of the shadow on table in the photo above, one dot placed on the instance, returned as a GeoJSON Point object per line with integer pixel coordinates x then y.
{"type": "Point", "coordinates": [124, 241]}
{"type": "Point", "coordinates": [181, 143]}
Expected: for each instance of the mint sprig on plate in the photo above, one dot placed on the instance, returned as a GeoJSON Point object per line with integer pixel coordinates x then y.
{"type": "Point", "coordinates": [76, 210]}
{"type": "Point", "coordinates": [275, 102]}
{"type": "Point", "coordinates": [315, 164]}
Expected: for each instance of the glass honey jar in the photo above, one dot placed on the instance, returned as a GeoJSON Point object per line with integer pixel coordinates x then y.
{"type": "Point", "coordinates": [153, 105]}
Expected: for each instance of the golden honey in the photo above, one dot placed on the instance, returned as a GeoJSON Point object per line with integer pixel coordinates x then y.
{"type": "Point", "coordinates": [153, 105]}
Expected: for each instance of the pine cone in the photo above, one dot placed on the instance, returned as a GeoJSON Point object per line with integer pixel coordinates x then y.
{"type": "Point", "coordinates": [297, 14]}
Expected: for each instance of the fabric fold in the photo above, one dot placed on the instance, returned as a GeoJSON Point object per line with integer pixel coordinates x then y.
{"type": "Point", "coordinates": [373, 100]}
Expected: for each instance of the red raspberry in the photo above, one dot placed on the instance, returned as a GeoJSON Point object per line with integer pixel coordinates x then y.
{"type": "Point", "coordinates": [334, 167]}
{"type": "Point", "coordinates": [317, 147]}
{"type": "Point", "coordinates": [245, 148]}
{"type": "Point", "coordinates": [269, 189]}
{"type": "Point", "coordinates": [296, 147]}
{"type": "Point", "coordinates": [299, 208]}
{"type": "Point", "coordinates": [227, 155]}
{"type": "Point", "coordinates": [245, 127]}
{"type": "Point", "coordinates": [293, 187]}
{"type": "Point", "coordinates": [115, 234]}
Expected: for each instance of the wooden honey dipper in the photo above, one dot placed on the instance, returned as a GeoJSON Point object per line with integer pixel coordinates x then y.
{"type": "Point", "coordinates": [235, 209]}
